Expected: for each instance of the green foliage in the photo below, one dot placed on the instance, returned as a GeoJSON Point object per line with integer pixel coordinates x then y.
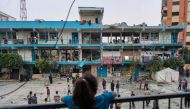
{"type": "Point", "coordinates": [174, 62]}
{"type": "Point", "coordinates": [155, 65]}
{"type": "Point", "coordinates": [10, 61]}
{"type": "Point", "coordinates": [185, 53]}
{"type": "Point", "coordinates": [45, 55]}
{"type": "Point", "coordinates": [45, 66]}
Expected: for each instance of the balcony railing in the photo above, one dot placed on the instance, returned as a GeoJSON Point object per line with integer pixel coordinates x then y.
{"type": "Point", "coordinates": [142, 99]}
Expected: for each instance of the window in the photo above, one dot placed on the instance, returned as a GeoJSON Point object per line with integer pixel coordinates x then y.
{"type": "Point", "coordinates": [174, 23]}
{"type": "Point", "coordinates": [145, 36]}
{"type": "Point", "coordinates": [154, 36]}
{"type": "Point", "coordinates": [53, 36]}
{"type": "Point", "coordinates": [187, 33]}
{"type": "Point", "coordinates": [43, 36]}
{"type": "Point", "coordinates": [175, 13]}
{"type": "Point", "coordinates": [3, 35]}
{"type": "Point", "coordinates": [11, 35]}
{"type": "Point", "coordinates": [176, 3]}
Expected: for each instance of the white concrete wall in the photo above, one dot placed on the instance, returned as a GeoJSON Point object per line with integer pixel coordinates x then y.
{"type": "Point", "coordinates": [175, 19]}
{"type": "Point", "coordinates": [175, 8]}
{"type": "Point", "coordinates": [26, 54]}
{"type": "Point", "coordinates": [165, 38]}
{"type": "Point", "coordinates": [111, 53]}
{"type": "Point", "coordinates": [23, 35]}
{"type": "Point", "coordinates": [5, 18]}
{"type": "Point", "coordinates": [66, 36]}
{"type": "Point", "coordinates": [92, 18]}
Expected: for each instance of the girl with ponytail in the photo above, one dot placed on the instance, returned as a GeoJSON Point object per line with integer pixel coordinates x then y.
{"type": "Point", "coordinates": [84, 95]}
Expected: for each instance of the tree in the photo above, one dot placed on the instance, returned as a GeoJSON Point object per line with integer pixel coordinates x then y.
{"type": "Point", "coordinates": [185, 54]}
{"type": "Point", "coordinates": [174, 62]}
{"type": "Point", "coordinates": [11, 61]}
{"type": "Point", "coordinates": [155, 65]}
{"type": "Point", "coordinates": [45, 66]}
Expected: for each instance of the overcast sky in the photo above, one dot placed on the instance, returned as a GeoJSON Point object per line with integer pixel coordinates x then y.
{"type": "Point", "coordinates": [115, 11]}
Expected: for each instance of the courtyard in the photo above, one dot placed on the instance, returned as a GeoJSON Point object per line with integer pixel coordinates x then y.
{"type": "Point", "coordinates": [20, 90]}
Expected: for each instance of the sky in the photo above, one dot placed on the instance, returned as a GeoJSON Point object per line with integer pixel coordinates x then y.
{"type": "Point", "coordinates": [115, 11]}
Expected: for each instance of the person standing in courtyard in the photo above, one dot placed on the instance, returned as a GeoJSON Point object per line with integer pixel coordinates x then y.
{"type": "Point", "coordinates": [147, 93]}
{"type": "Point", "coordinates": [180, 84]}
{"type": "Point", "coordinates": [140, 84]}
{"type": "Point", "coordinates": [104, 84]}
{"type": "Point", "coordinates": [133, 94]}
{"type": "Point", "coordinates": [84, 95]}
{"type": "Point", "coordinates": [117, 87]}
{"type": "Point", "coordinates": [186, 84]}
{"type": "Point", "coordinates": [118, 105]}
{"type": "Point", "coordinates": [34, 99]}
{"type": "Point", "coordinates": [112, 85]}
{"type": "Point", "coordinates": [69, 90]}
{"type": "Point", "coordinates": [50, 79]}
{"type": "Point", "coordinates": [146, 84]}
{"type": "Point", "coordinates": [29, 97]}
{"type": "Point", "coordinates": [68, 78]}
{"type": "Point", "coordinates": [57, 97]}
{"type": "Point", "coordinates": [48, 93]}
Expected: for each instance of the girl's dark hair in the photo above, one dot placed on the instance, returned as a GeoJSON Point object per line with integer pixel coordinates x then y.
{"type": "Point", "coordinates": [84, 92]}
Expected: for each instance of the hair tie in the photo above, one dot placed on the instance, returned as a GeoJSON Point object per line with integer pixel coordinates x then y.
{"type": "Point", "coordinates": [84, 79]}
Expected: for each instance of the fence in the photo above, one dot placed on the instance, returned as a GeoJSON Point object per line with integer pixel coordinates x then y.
{"type": "Point", "coordinates": [129, 100]}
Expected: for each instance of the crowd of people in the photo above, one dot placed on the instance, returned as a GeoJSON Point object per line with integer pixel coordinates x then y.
{"type": "Point", "coordinates": [33, 99]}
{"type": "Point", "coordinates": [83, 94]}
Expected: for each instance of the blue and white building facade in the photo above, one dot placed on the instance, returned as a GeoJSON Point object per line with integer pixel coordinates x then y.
{"type": "Point", "coordinates": [88, 44]}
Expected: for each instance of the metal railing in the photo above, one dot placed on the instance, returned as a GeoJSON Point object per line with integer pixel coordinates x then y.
{"type": "Point", "coordinates": [129, 100]}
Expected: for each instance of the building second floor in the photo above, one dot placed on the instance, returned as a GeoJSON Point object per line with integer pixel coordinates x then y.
{"type": "Point", "coordinates": [75, 33]}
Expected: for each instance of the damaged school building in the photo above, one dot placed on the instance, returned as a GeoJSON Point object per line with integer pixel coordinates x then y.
{"type": "Point", "coordinates": [89, 46]}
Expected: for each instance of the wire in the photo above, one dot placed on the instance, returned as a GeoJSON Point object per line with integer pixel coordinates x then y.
{"type": "Point", "coordinates": [65, 23]}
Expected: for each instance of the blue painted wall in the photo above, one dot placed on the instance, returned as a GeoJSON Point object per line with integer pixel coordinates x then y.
{"type": "Point", "coordinates": [75, 38]}
{"type": "Point", "coordinates": [33, 55]}
{"type": "Point", "coordinates": [174, 37]}
{"type": "Point", "coordinates": [136, 73]}
{"type": "Point", "coordinates": [102, 71]}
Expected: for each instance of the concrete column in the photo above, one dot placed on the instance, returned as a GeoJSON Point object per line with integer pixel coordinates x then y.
{"type": "Point", "coordinates": [80, 54]}
{"type": "Point", "coordinates": [140, 37]}
{"type": "Point", "coordinates": [80, 37]}
{"type": "Point", "coordinates": [59, 54]}
{"type": "Point", "coordinates": [149, 36]}
{"type": "Point", "coordinates": [101, 54]}
{"type": "Point", "coordinates": [101, 38]}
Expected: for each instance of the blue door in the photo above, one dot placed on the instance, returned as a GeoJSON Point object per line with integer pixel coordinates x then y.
{"type": "Point", "coordinates": [75, 38]}
{"type": "Point", "coordinates": [102, 71]}
{"type": "Point", "coordinates": [33, 55]}
{"type": "Point", "coordinates": [173, 53]}
{"type": "Point", "coordinates": [136, 74]}
{"type": "Point", "coordinates": [174, 37]}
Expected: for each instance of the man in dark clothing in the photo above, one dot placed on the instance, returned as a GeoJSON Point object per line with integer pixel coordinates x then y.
{"type": "Point", "coordinates": [69, 90]}
{"type": "Point", "coordinates": [117, 87]}
{"type": "Point", "coordinates": [48, 93]}
{"type": "Point", "coordinates": [186, 85]}
{"type": "Point", "coordinates": [118, 105]}
{"type": "Point", "coordinates": [187, 101]}
{"type": "Point", "coordinates": [145, 85]}
{"type": "Point", "coordinates": [34, 99]}
{"type": "Point", "coordinates": [112, 85]}
{"type": "Point", "coordinates": [29, 97]}
{"type": "Point", "coordinates": [180, 83]}
{"type": "Point", "coordinates": [104, 84]}
{"type": "Point", "coordinates": [50, 79]}
{"type": "Point", "coordinates": [133, 104]}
